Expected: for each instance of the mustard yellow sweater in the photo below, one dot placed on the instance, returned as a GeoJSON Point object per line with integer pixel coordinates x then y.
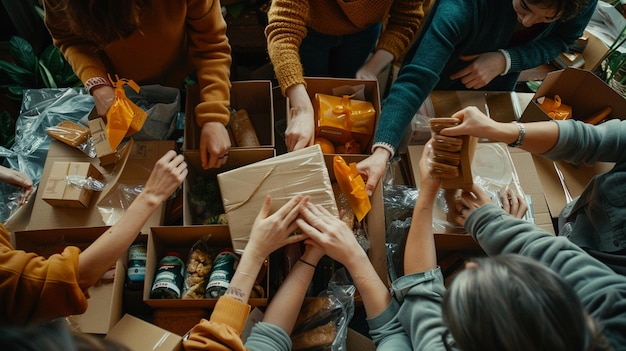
{"type": "Point", "coordinates": [288, 22]}
{"type": "Point", "coordinates": [176, 37]}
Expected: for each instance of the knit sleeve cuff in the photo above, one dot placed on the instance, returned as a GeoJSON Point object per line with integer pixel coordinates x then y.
{"type": "Point", "coordinates": [385, 146]}
{"type": "Point", "coordinates": [507, 58]}
{"type": "Point", "coordinates": [230, 312]}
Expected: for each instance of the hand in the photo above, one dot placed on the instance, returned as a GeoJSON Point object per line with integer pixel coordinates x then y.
{"type": "Point", "coordinates": [300, 131]}
{"type": "Point", "coordinates": [214, 145]}
{"type": "Point", "coordinates": [473, 122]}
{"type": "Point", "coordinates": [469, 201]}
{"type": "Point", "coordinates": [18, 179]}
{"type": "Point", "coordinates": [167, 175]}
{"type": "Point", "coordinates": [271, 232]}
{"type": "Point", "coordinates": [428, 183]}
{"type": "Point", "coordinates": [374, 65]}
{"type": "Point", "coordinates": [331, 234]}
{"type": "Point", "coordinates": [513, 203]}
{"type": "Point", "coordinates": [482, 69]}
{"type": "Point", "coordinates": [103, 97]}
{"type": "Point", "coordinates": [373, 168]}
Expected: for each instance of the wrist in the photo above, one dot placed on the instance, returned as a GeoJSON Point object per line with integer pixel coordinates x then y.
{"type": "Point", "coordinates": [507, 61]}
{"type": "Point", "coordinates": [520, 134]}
{"type": "Point", "coordinates": [383, 150]}
{"type": "Point", "coordinates": [96, 82]}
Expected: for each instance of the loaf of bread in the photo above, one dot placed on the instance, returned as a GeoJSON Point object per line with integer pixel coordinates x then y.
{"type": "Point", "coordinates": [70, 133]}
{"type": "Point", "coordinates": [452, 156]}
{"type": "Point", "coordinates": [243, 130]}
{"type": "Point", "coordinates": [317, 337]}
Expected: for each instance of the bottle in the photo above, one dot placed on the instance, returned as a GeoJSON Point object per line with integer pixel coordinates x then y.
{"type": "Point", "coordinates": [222, 272]}
{"type": "Point", "coordinates": [168, 282]}
{"type": "Point", "coordinates": [136, 266]}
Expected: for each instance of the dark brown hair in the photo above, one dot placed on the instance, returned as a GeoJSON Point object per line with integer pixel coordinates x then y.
{"type": "Point", "coordinates": [566, 9]}
{"type": "Point", "coordinates": [102, 22]}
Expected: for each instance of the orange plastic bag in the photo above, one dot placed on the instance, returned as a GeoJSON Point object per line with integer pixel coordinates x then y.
{"type": "Point", "coordinates": [352, 186]}
{"type": "Point", "coordinates": [124, 117]}
{"type": "Point", "coordinates": [341, 119]}
{"type": "Point", "coordinates": [555, 108]}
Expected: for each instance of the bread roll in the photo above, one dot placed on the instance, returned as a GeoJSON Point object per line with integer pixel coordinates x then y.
{"type": "Point", "coordinates": [243, 130]}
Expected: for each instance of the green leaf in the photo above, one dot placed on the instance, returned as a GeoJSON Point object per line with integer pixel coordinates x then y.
{"type": "Point", "coordinates": [23, 54]}
{"type": "Point", "coordinates": [17, 74]}
{"type": "Point", "coordinates": [7, 129]}
{"type": "Point", "coordinates": [61, 70]}
{"type": "Point", "coordinates": [46, 76]}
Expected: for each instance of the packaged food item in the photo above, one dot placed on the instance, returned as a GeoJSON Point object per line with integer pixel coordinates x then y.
{"type": "Point", "coordinates": [70, 133]}
{"type": "Point", "coordinates": [555, 108]}
{"type": "Point", "coordinates": [243, 130]}
{"type": "Point", "coordinates": [168, 282]}
{"type": "Point", "coordinates": [136, 266]}
{"type": "Point", "coordinates": [198, 269]}
{"type": "Point", "coordinates": [222, 272]}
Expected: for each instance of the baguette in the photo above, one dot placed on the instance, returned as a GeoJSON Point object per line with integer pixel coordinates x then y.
{"type": "Point", "coordinates": [599, 116]}
{"type": "Point", "coordinates": [243, 130]}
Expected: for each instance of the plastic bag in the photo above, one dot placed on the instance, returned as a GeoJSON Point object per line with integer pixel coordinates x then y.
{"type": "Point", "coordinates": [124, 118]}
{"type": "Point", "coordinates": [198, 268]}
{"type": "Point", "coordinates": [352, 186]}
{"type": "Point", "coordinates": [74, 135]}
{"type": "Point", "coordinates": [341, 119]}
{"type": "Point", "coordinates": [323, 321]}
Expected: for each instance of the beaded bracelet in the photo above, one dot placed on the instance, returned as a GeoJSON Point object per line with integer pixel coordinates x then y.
{"type": "Point", "coordinates": [520, 136]}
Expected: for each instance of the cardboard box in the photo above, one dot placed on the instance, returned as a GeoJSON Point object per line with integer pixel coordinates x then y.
{"type": "Point", "coordinates": [518, 169]}
{"type": "Point", "coordinates": [255, 96]}
{"type": "Point", "coordinates": [587, 94]}
{"type": "Point", "coordinates": [374, 221]}
{"type": "Point", "coordinates": [164, 239]}
{"type": "Point", "coordinates": [192, 213]}
{"type": "Point", "coordinates": [136, 163]}
{"type": "Point", "coordinates": [139, 335]}
{"type": "Point", "coordinates": [59, 191]}
{"type": "Point", "coordinates": [244, 189]}
{"type": "Point", "coordinates": [581, 89]}
{"type": "Point", "coordinates": [105, 301]}
{"type": "Point", "coordinates": [97, 126]}
{"type": "Point", "coordinates": [327, 85]}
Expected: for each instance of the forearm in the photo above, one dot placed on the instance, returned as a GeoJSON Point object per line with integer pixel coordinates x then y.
{"type": "Point", "coordinates": [291, 293]}
{"type": "Point", "coordinates": [539, 136]}
{"type": "Point", "coordinates": [374, 293]}
{"type": "Point", "coordinates": [420, 252]}
{"type": "Point", "coordinates": [245, 276]}
{"type": "Point", "coordinates": [94, 261]}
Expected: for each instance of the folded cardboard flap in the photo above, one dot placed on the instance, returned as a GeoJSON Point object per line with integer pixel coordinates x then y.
{"type": "Point", "coordinates": [101, 143]}
{"type": "Point", "coordinates": [139, 335]}
{"type": "Point", "coordinates": [244, 189]}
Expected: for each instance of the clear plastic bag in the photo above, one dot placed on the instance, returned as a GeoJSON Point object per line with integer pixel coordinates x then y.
{"type": "Point", "coordinates": [323, 321]}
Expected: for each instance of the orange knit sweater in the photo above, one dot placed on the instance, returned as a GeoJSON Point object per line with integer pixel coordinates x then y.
{"type": "Point", "coordinates": [176, 37]}
{"type": "Point", "coordinates": [289, 20]}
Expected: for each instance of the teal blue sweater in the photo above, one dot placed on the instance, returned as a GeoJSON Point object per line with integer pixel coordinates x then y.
{"type": "Point", "coordinates": [466, 27]}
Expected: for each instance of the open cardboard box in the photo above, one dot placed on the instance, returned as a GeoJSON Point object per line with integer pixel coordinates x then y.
{"type": "Point", "coordinates": [374, 220]}
{"type": "Point", "coordinates": [255, 96]}
{"type": "Point", "coordinates": [587, 94]}
{"type": "Point", "coordinates": [191, 212]}
{"type": "Point", "coordinates": [326, 85]}
{"type": "Point", "coordinates": [520, 163]}
{"type": "Point", "coordinates": [137, 161]}
{"type": "Point", "coordinates": [164, 239]}
{"type": "Point", "coordinates": [243, 189]}
{"type": "Point", "coordinates": [105, 301]}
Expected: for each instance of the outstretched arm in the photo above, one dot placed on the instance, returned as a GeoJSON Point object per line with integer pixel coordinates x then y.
{"type": "Point", "coordinates": [168, 174]}
{"type": "Point", "coordinates": [539, 136]}
{"type": "Point", "coordinates": [420, 253]}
